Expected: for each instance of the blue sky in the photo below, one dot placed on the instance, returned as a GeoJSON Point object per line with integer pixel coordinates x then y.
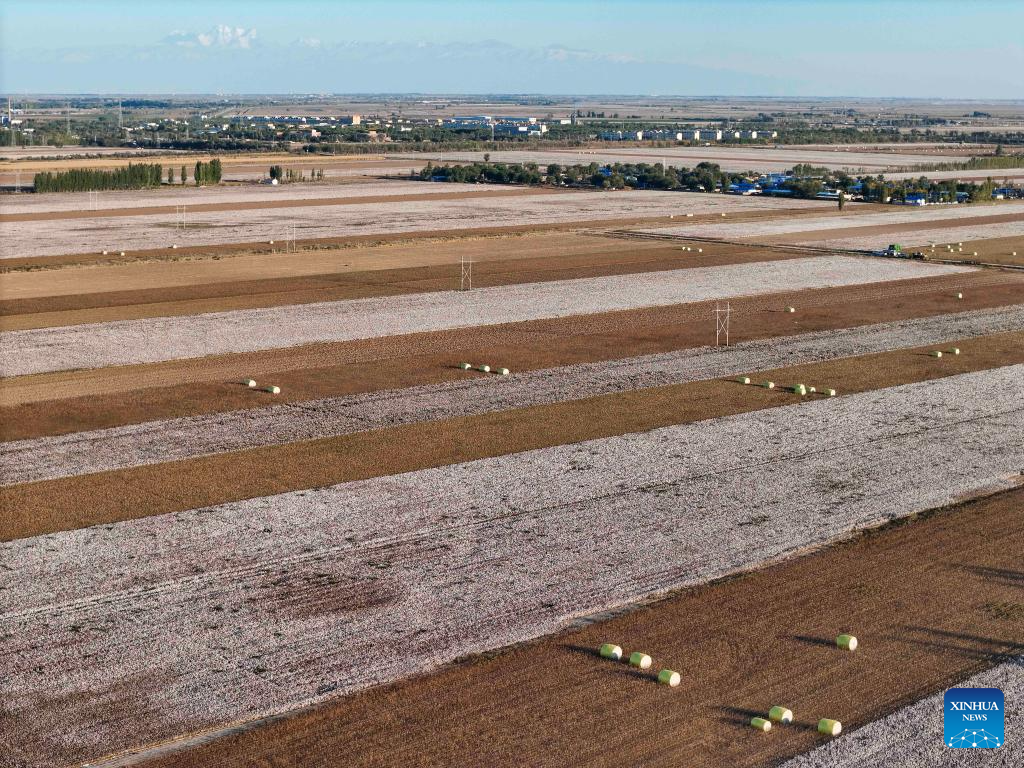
{"type": "Point", "coordinates": [925, 48]}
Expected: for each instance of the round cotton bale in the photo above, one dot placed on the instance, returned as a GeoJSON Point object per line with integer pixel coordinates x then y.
{"type": "Point", "coordinates": [937, 353]}
{"type": "Point", "coordinates": [611, 651]}
{"type": "Point", "coordinates": [122, 253]}
{"type": "Point", "coordinates": [769, 385]}
{"type": "Point", "coordinates": [174, 247]}
{"type": "Point", "coordinates": [829, 392]}
{"type": "Point", "coordinates": [502, 371]}
{"type": "Point", "coordinates": [1014, 253]}
{"type": "Point", "coordinates": [959, 295]}
{"type": "Point", "coordinates": [672, 216]}
{"type": "Point", "coordinates": [829, 727]}
{"type": "Point", "coordinates": [780, 715]}
{"type": "Point", "coordinates": [689, 215]}
{"type": "Point", "coordinates": [959, 245]}
{"type": "Point", "coordinates": [250, 383]}
{"type": "Point", "coordinates": [484, 369]}
{"type": "Point", "coordinates": [639, 660]}
{"type": "Point", "coordinates": [812, 390]}
{"type": "Point", "coordinates": [959, 250]}
{"type": "Point", "coordinates": [974, 253]}
{"type": "Point", "coordinates": [274, 390]}
{"type": "Point", "coordinates": [743, 379]}
{"type": "Point", "coordinates": [847, 642]}
{"type": "Point", "coordinates": [700, 250]}
{"type": "Point", "coordinates": [955, 351]}
{"type": "Point", "coordinates": [465, 366]}
{"type": "Point", "coordinates": [669, 678]}
{"type": "Point", "coordinates": [105, 253]}
{"type": "Point", "coordinates": [791, 310]}
{"type": "Point", "coordinates": [271, 242]}
{"type": "Point", "coordinates": [761, 724]}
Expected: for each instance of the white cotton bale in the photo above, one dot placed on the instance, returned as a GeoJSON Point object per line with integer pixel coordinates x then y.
{"type": "Point", "coordinates": [700, 250]}
{"type": "Point", "coordinates": [769, 385]}
{"type": "Point", "coordinates": [271, 242]}
{"type": "Point", "coordinates": [122, 253]}
{"type": "Point", "coordinates": [465, 366]}
{"type": "Point", "coordinates": [829, 727]}
{"type": "Point", "coordinates": [761, 724]}
{"type": "Point", "coordinates": [847, 642]}
{"type": "Point", "coordinates": [250, 383]}
{"type": "Point", "coordinates": [955, 351]}
{"type": "Point", "coordinates": [1014, 253]}
{"type": "Point", "coordinates": [611, 651]}
{"type": "Point", "coordinates": [723, 215]}
{"type": "Point", "coordinates": [958, 245]}
{"type": "Point", "coordinates": [800, 389]}
{"type": "Point", "coordinates": [959, 295]}
{"type": "Point", "coordinates": [174, 247]}
{"type": "Point", "coordinates": [689, 215]}
{"type": "Point", "coordinates": [937, 353]}
{"type": "Point", "coordinates": [780, 715]}
{"type": "Point", "coordinates": [484, 368]}
{"type": "Point", "coordinates": [743, 379]}
{"type": "Point", "coordinates": [273, 389]}
{"type": "Point", "coordinates": [104, 253]}
{"type": "Point", "coordinates": [812, 390]}
{"type": "Point", "coordinates": [974, 253]}
{"type": "Point", "coordinates": [791, 310]}
{"type": "Point", "coordinates": [669, 678]}
{"type": "Point", "coordinates": [502, 371]}
{"type": "Point", "coordinates": [639, 660]}
{"type": "Point", "coordinates": [829, 392]}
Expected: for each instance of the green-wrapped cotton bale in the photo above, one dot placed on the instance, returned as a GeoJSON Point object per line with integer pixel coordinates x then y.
{"type": "Point", "coordinates": [484, 368]}
{"type": "Point", "coordinates": [611, 651]}
{"type": "Point", "coordinates": [669, 678]}
{"type": "Point", "coordinates": [829, 727]}
{"type": "Point", "coordinates": [847, 642]}
{"type": "Point", "coordinates": [465, 366]}
{"type": "Point", "coordinates": [780, 715]}
{"type": "Point", "coordinates": [761, 724]}
{"type": "Point", "coordinates": [639, 660]}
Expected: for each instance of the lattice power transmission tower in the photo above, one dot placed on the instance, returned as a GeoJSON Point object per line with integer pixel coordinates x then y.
{"type": "Point", "coordinates": [466, 275]}
{"type": "Point", "coordinates": [722, 317]}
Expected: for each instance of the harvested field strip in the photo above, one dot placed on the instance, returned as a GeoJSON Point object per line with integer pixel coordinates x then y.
{"type": "Point", "coordinates": [924, 237]}
{"type": "Point", "coordinates": [130, 342]}
{"type": "Point", "coordinates": [88, 500]}
{"type": "Point", "coordinates": [47, 312]}
{"type": "Point", "coordinates": [257, 205]}
{"type": "Point", "coordinates": [547, 704]}
{"type": "Point", "coordinates": [878, 217]}
{"type": "Point", "coordinates": [153, 442]}
{"type": "Point", "coordinates": [938, 229]}
{"type": "Point", "coordinates": [912, 737]}
{"type": "Point", "coordinates": [62, 237]}
{"type": "Point", "coordinates": [213, 251]}
{"type": "Point", "coordinates": [240, 606]}
{"type": "Point", "coordinates": [50, 404]}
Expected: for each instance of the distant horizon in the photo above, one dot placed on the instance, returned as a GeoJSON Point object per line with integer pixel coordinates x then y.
{"type": "Point", "coordinates": [919, 49]}
{"type": "Point", "coordinates": [484, 95]}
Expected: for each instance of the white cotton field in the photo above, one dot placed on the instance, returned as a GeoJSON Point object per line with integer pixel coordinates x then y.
{"type": "Point", "coordinates": [172, 338]}
{"type": "Point", "coordinates": [183, 621]}
{"type": "Point", "coordinates": [153, 442]}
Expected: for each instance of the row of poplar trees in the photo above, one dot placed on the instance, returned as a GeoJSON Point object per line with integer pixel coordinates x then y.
{"type": "Point", "coordinates": [133, 176]}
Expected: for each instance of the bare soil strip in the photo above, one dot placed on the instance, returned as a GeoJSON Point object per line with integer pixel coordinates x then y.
{"type": "Point", "coordinates": [465, 558]}
{"type": "Point", "coordinates": [76, 309]}
{"type": "Point", "coordinates": [175, 439]}
{"type": "Point", "coordinates": [107, 497]}
{"type": "Point", "coordinates": [271, 204]}
{"type": "Point", "coordinates": [129, 342]}
{"type": "Point", "coordinates": [741, 645]}
{"type": "Point", "coordinates": [51, 404]}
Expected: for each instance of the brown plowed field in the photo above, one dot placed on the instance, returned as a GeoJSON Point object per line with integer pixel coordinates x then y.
{"type": "Point", "coordinates": [993, 250]}
{"type": "Point", "coordinates": [49, 311]}
{"type": "Point", "coordinates": [236, 249]}
{"type": "Point", "coordinates": [105, 497]}
{"type": "Point", "coordinates": [57, 403]}
{"type": "Point", "coordinates": [931, 601]}
{"type": "Point", "coordinates": [886, 229]}
{"type": "Point", "coordinates": [264, 204]}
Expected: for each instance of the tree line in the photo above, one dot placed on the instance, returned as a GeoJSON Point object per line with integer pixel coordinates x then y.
{"type": "Point", "coordinates": [133, 176]}
{"type": "Point", "coordinates": [208, 173]}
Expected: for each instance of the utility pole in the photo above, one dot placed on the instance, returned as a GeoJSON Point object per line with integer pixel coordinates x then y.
{"type": "Point", "coordinates": [120, 117]}
{"type": "Point", "coordinates": [722, 323]}
{"type": "Point", "coordinates": [10, 119]}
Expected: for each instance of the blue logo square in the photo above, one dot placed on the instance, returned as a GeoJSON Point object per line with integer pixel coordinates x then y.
{"type": "Point", "coordinates": [972, 718]}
